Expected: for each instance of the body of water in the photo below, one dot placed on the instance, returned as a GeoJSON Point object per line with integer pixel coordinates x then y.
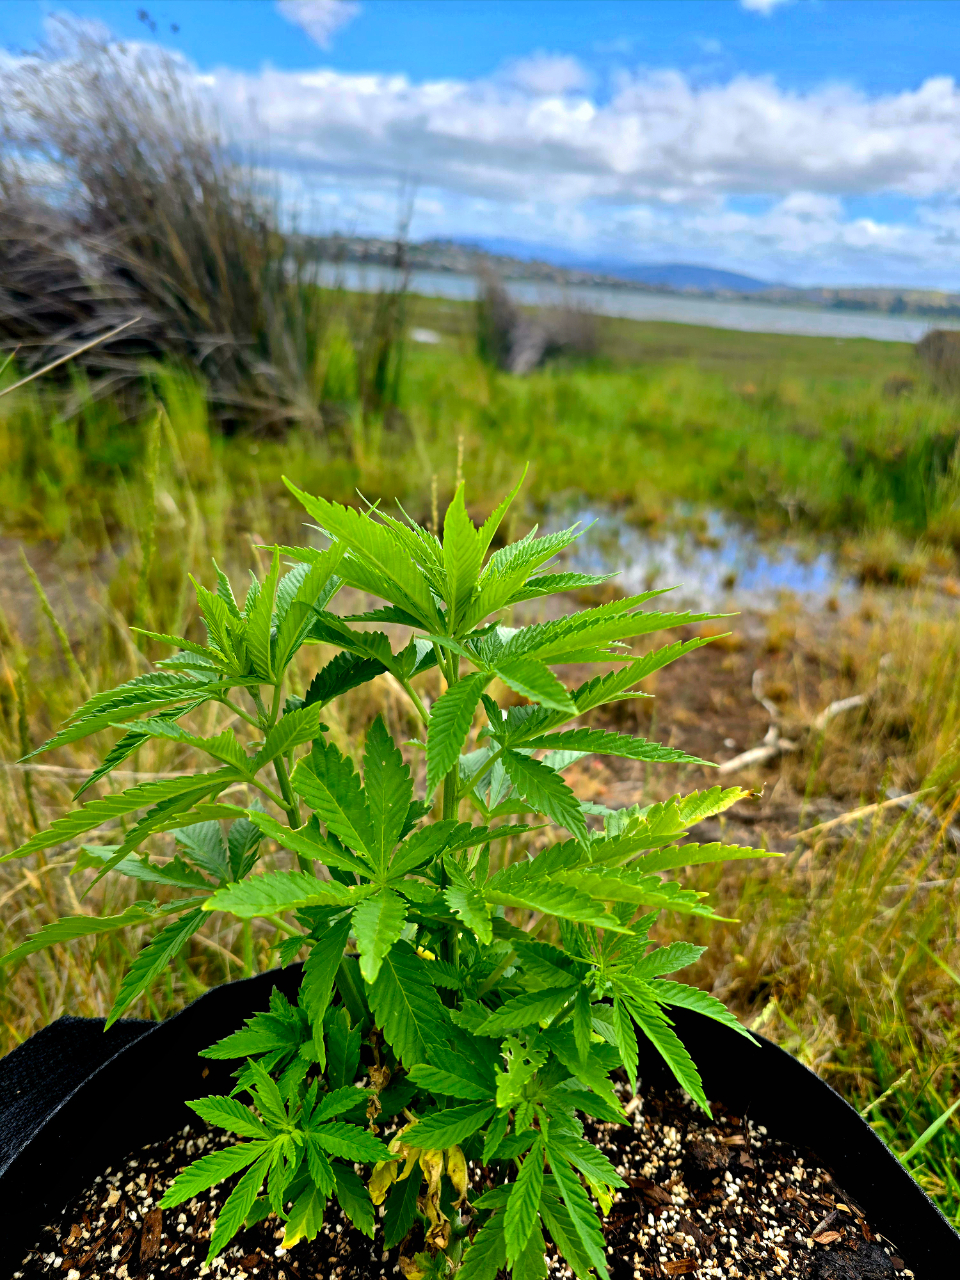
{"type": "Point", "coordinates": [710, 559]}
{"type": "Point", "coordinates": [751, 317]}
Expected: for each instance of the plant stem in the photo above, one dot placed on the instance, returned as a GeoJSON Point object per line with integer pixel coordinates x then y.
{"type": "Point", "coordinates": [270, 794]}
{"type": "Point", "coordinates": [286, 928]}
{"type": "Point", "coordinates": [291, 806]}
{"type": "Point", "coordinates": [275, 709]}
{"type": "Point", "coordinates": [468, 785]}
{"type": "Point", "coordinates": [290, 803]}
{"type": "Point", "coordinates": [412, 695]}
{"type": "Point", "coordinates": [451, 800]}
{"type": "Point", "coordinates": [501, 968]}
{"type": "Point", "coordinates": [238, 711]}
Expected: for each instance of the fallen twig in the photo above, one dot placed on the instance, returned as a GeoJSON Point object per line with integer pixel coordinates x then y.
{"type": "Point", "coordinates": [924, 811]}
{"type": "Point", "coordinates": [854, 815]}
{"type": "Point", "coordinates": [95, 342]}
{"type": "Point", "coordinates": [757, 755]}
{"type": "Point", "coordinates": [835, 708]}
{"type": "Point", "coordinates": [773, 744]}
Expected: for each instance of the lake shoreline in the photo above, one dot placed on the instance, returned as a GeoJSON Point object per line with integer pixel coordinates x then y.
{"type": "Point", "coordinates": [626, 303]}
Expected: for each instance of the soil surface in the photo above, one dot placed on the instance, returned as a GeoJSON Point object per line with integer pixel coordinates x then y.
{"type": "Point", "coordinates": [722, 1199]}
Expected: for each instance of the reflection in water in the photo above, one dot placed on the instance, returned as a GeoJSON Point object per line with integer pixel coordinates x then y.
{"type": "Point", "coordinates": [708, 556]}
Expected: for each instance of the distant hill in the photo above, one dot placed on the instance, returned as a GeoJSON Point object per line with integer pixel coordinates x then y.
{"type": "Point", "coordinates": [663, 275]}
{"type": "Point", "coordinates": [512, 260]}
{"type": "Point", "coordinates": [684, 275]}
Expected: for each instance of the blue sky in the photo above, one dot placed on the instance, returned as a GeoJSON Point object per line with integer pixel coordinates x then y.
{"type": "Point", "coordinates": [815, 141]}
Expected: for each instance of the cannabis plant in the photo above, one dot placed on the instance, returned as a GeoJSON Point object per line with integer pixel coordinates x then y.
{"type": "Point", "coordinates": [474, 979]}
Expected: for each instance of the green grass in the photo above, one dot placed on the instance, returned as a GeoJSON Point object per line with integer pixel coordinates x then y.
{"type": "Point", "coordinates": [779, 430]}
{"type": "Point", "coordinates": [851, 972]}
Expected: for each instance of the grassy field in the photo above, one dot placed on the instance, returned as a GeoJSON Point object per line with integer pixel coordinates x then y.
{"type": "Point", "coordinates": [842, 436]}
{"type": "Point", "coordinates": [846, 950]}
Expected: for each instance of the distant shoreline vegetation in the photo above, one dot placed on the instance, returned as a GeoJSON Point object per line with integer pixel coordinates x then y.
{"type": "Point", "coordinates": [456, 258]}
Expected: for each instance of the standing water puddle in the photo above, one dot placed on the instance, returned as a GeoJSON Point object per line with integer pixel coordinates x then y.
{"type": "Point", "coordinates": [707, 556]}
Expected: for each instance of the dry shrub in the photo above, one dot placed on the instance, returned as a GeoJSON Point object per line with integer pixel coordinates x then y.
{"type": "Point", "coordinates": [939, 352]}
{"type": "Point", "coordinates": [121, 198]}
{"type": "Point", "coordinates": [518, 343]}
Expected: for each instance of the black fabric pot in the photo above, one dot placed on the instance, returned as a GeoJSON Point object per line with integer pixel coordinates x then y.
{"type": "Point", "coordinates": [74, 1100]}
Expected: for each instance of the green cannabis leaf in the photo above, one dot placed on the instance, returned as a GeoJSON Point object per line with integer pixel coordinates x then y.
{"type": "Point", "coordinates": [435, 1025]}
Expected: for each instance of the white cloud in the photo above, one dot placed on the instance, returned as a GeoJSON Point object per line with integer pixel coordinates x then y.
{"type": "Point", "coordinates": [657, 137]}
{"type": "Point", "coordinates": [656, 168]}
{"type": "Point", "coordinates": [744, 173]}
{"type": "Point", "coordinates": [319, 18]}
{"type": "Point", "coordinates": [546, 74]}
{"type": "Point", "coordinates": [766, 7]}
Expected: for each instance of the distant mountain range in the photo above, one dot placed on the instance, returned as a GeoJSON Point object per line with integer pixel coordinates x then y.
{"type": "Point", "coordinates": [685, 275]}
{"type": "Point", "coordinates": [510, 260]}
{"type": "Point", "coordinates": [675, 276]}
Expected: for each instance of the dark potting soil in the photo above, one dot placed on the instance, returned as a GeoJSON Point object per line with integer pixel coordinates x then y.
{"type": "Point", "coordinates": [722, 1199]}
